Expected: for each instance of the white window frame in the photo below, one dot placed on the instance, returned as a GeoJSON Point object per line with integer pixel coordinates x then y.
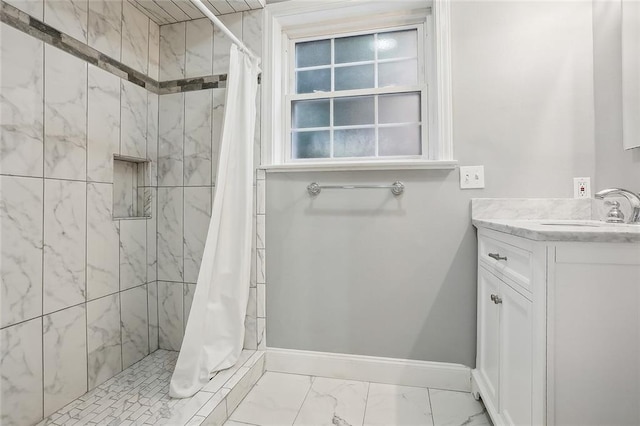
{"type": "Point", "coordinates": [291, 21]}
{"type": "Point", "coordinates": [420, 87]}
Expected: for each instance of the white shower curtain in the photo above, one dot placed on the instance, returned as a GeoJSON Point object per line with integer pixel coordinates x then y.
{"type": "Point", "coordinates": [214, 335]}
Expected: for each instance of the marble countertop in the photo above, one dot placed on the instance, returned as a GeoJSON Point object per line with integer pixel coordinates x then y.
{"type": "Point", "coordinates": [564, 230]}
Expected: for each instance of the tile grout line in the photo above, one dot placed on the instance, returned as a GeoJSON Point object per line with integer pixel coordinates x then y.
{"type": "Point", "coordinates": [21, 322]}
{"type": "Point", "coordinates": [313, 379]}
{"type": "Point", "coordinates": [121, 88]}
{"type": "Point", "coordinates": [366, 403]}
{"type": "Point", "coordinates": [184, 206]}
{"type": "Point", "coordinates": [52, 178]}
{"type": "Point", "coordinates": [213, 104]}
{"type": "Point", "coordinates": [43, 292]}
{"type": "Point", "coordinates": [86, 215]}
{"type": "Point", "coordinates": [155, 239]}
{"type": "Point", "coordinates": [146, 168]}
{"type": "Point", "coordinates": [184, 69]}
{"type": "Point", "coordinates": [430, 406]}
{"type": "Point", "coordinates": [226, 408]}
{"type": "Point", "coordinates": [75, 305]}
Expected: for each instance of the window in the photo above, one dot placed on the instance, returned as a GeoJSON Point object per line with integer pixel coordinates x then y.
{"type": "Point", "coordinates": [357, 96]}
{"type": "Point", "coordinates": [353, 84]}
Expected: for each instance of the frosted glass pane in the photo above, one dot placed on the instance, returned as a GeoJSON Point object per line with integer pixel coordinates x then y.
{"type": "Point", "coordinates": [354, 143]}
{"type": "Point", "coordinates": [313, 81]}
{"type": "Point", "coordinates": [401, 108]}
{"type": "Point", "coordinates": [401, 73]}
{"type": "Point", "coordinates": [353, 111]}
{"type": "Point", "coordinates": [313, 53]}
{"type": "Point", "coordinates": [310, 144]}
{"type": "Point", "coordinates": [311, 114]}
{"type": "Point", "coordinates": [397, 44]}
{"type": "Point", "coordinates": [356, 77]}
{"type": "Point", "coordinates": [354, 49]}
{"type": "Point", "coordinates": [403, 140]}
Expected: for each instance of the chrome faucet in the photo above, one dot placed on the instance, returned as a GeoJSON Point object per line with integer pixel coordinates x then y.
{"type": "Point", "coordinates": [634, 200]}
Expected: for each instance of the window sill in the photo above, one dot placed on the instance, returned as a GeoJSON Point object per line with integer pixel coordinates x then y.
{"type": "Point", "coordinates": [354, 166]}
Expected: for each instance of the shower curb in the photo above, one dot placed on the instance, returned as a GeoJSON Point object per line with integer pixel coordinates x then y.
{"type": "Point", "coordinates": [229, 395]}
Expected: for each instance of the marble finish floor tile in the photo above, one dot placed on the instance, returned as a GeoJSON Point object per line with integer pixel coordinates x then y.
{"type": "Point", "coordinates": [457, 408]}
{"type": "Point", "coordinates": [352, 403]}
{"type": "Point", "coordinates": [275, 400]}
{"type": "Point", "coordinates": [334, 402]}
{"type": "Point", "coordinates": [139, 395]}
{"type": "Point", "coordinates": [397, 405]}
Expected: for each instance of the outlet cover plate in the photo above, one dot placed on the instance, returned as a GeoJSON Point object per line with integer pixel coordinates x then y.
{"type": "Point", "coordinates": [471, 177]}
{"type": "Point", "coordinates": [582, 187]}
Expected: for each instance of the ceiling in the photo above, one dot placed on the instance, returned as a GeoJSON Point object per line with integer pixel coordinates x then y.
{"type": "Point", "coordinates": [170, 11]}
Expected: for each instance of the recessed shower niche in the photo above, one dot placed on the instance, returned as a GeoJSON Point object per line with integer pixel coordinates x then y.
{"type": "Point", "coordinates": [131, 192]}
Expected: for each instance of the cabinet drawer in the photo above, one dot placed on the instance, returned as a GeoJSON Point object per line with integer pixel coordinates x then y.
{"type": "Point", "coordinates": [506, 260]}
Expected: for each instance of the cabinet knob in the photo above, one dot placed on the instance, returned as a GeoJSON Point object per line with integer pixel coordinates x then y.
{"type": "Point", "coordinates": [497, 300]}
{"type": "Point", "coordinates": [497, 256]}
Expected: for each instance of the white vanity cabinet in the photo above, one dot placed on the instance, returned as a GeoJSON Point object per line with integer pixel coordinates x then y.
{"type": "Point", "coordinates": [558, 331]}
{"type": "Point", "coordinates": [504, 364]}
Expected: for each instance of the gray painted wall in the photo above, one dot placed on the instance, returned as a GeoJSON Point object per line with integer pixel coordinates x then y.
{"type": "Point", "coordinates": [614, 166]}
{"type": "Point", "coordinates": [361, 272]}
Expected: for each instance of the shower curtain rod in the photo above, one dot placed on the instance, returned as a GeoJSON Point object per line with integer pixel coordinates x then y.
{"type": "Point", "coordinates": [224, 29]}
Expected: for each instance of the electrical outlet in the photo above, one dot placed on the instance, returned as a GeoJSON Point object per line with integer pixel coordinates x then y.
{"type": "Point", "coordinates": [471, 177]}
{"type": "Point", "coordinates": [582, 187]}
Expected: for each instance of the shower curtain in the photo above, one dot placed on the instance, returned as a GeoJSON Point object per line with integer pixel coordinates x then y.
{"type": "Point", "coordinates": [214, 334]}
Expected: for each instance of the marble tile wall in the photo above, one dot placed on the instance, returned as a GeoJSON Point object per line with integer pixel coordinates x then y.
{"type": "Point", "coordinates": [22, 377]}
{"type": "Point", "coordinates": [188, 145]}
{"type": "Point", "coordinates": [78, 289]}
{"type": "Point", "coordinates": [22, 87]}
{"type": "Point", "coordinates": [115, 28]}
{"type": "Point", "coordinates": [104, 340]}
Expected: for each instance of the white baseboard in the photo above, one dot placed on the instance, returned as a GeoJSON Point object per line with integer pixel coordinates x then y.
{"type": "Point", "coordinates": [393, 371]}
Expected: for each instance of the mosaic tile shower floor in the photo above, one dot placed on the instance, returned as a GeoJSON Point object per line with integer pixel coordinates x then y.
{"type": "Point", "coordinates": [140, 396]}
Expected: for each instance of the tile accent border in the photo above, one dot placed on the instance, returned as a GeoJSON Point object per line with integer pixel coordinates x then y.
{"type": "Point", "coordinates": [21, 21]}
{"type": "Point", "coordinates": [189, 84]}
{"type": "Point", "coordinates": [392, 371]}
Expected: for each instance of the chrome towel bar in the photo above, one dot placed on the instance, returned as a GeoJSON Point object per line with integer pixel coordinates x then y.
{"type": "Point", "coordinates": [314, 188]}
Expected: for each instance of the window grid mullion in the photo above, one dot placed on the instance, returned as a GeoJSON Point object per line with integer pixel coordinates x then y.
{"type": "Point", "coordinates": [354, 93]}
{"type": "Point", "coordinates": [375, 61]}
{"type": "Point", "coordinates": [333, 54]}
{"type": "Point", "coordinates": [311, 129]}
{"type": "Point", "coordinates": [313, 68]}
{"type": "Point", "coordinates": [331, 128]}
{"type": "Point", "coordinates": [331, 134]}
{"type": "Point", "coordinates": [402, 124]}
{"type": "Point", "coordinates": [352, 64]}
{"type": "Point", "coordinates": [358, 126]}
{"type": "Point", "coordinates": [375, 98]}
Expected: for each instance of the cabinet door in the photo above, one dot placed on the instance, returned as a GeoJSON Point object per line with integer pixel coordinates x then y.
{"type": "Point", "coordinates": [515, 357]}
{"type": "Point", "coordinates": [488, 357]}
